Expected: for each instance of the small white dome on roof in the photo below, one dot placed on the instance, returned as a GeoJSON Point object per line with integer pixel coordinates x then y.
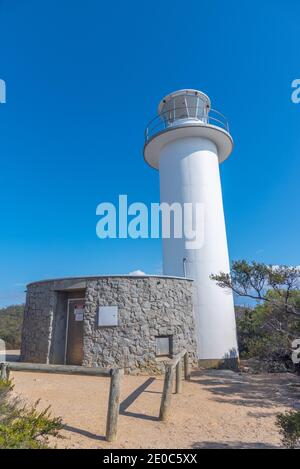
{"type": "Point", "coordinates": [137, 273]}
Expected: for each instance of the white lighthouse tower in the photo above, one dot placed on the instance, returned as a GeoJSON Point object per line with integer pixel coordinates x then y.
{"type": "Point", "coordinates": [186, 142]}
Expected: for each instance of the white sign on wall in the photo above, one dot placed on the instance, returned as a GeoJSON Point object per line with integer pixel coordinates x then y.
{"type": "Point", "coordinates": [108, 316]}
{"type": "Point", "coordinates": [78, 317]}
{"type": "Point", "coordinates": [79, 312]}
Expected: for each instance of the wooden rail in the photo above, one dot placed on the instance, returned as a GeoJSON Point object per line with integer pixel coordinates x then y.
{"type": "Point", "coordinates": [65, 369]}
{"type": "Point", "coordinates": [174, 367]}
{"type": "Point", "coordinates": [114, 391]}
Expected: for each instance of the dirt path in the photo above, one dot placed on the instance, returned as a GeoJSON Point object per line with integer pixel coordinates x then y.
{"type": "Point", "coordinates": [216, 409]}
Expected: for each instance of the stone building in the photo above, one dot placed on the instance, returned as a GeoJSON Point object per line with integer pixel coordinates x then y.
{"type": "Point", "coordinates": [133, 322]}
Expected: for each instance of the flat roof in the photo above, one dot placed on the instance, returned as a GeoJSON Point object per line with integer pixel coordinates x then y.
{"type": "Point", "coordinates": [94, 277]}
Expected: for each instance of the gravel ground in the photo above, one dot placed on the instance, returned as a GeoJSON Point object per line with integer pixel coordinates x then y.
{"type": "Point", "coordinates": [217, 409]}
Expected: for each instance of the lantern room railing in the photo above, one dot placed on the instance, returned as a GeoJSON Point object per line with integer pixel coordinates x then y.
{"type": "Point", "coordinates": [184, 116]}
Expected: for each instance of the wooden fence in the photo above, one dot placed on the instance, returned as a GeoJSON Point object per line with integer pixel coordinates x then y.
{"type": "Point", "coordinates": [173, 368]}
{"type": "Point", "coordinates": [115, 375]}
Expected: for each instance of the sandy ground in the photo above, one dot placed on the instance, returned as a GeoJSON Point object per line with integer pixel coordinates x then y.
{"type": "Point", "coordinates": [217, 409]}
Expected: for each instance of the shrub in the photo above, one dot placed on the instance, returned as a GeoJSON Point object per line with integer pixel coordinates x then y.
{"type": "Point", "coordinates": [266, 331]}
{"type": "Point", "coordinates": [24, 427]}
{"type": "Point", "coordinates": [289, 425]}
{"type": "Point", "coordinates": [258, 338]}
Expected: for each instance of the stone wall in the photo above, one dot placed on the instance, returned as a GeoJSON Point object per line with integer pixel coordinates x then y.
{"type": "Point", "coordinates": [37, 323]}
{"type": "Point", "coordinates": [148, 307]}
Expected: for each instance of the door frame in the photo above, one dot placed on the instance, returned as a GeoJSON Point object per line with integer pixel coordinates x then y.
{"type": "Point", "coordinates": [67, 325]}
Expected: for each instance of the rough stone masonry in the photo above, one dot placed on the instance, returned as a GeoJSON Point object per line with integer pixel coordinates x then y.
{"type": "Point", "coordinates": [149, 307]}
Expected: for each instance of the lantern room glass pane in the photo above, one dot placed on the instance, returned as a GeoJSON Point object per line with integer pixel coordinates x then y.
{"type": "Point", "coordinates": [184, 107]}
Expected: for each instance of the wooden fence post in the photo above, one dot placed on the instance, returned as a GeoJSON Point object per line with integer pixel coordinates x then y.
{"type": "Point", "coordinates": [187, 372]}
{"type": "Point", "coordinates": [113, 404]}
{"type": "Point", "coordinates": [178, 388]}
{"type": "Point", "coordinates": [4, 372]}
{"type": "Point", "coordinates": [167, 393]}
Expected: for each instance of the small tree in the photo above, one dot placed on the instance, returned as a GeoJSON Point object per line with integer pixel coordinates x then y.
{"type": "Point", "coordinates": [267, 330]}
{"type": "Point", "coordinates": [276, 286]}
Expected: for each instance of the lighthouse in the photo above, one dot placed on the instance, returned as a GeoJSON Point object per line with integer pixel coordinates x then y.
{"type": "Point", "coordinates": [186, 142]}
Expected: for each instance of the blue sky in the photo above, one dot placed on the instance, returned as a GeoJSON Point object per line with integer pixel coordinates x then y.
{"type": "Point", "coordinates": [84, 77]}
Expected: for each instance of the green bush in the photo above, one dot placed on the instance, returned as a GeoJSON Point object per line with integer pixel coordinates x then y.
{"type": "Point", "coordinates": [266, 335]}
{"type": "Point", "coordinates": [24, 427]}
{"type": "Point", "coordinates": [289, 428]}
{"type": "Point", "coordinates": [266, 331]}
{"type": "Point", "coordinates": [11, 319]}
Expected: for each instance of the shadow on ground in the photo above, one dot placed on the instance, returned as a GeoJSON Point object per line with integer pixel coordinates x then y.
{"type": "Point", "coordinates": [93, 436]}
{"type": "Point", "coordinates": [264, 391]}
{"type": "Point", "coordinates": [132, 397]}
{"type": "Point", "coordinates": [125, 404]}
